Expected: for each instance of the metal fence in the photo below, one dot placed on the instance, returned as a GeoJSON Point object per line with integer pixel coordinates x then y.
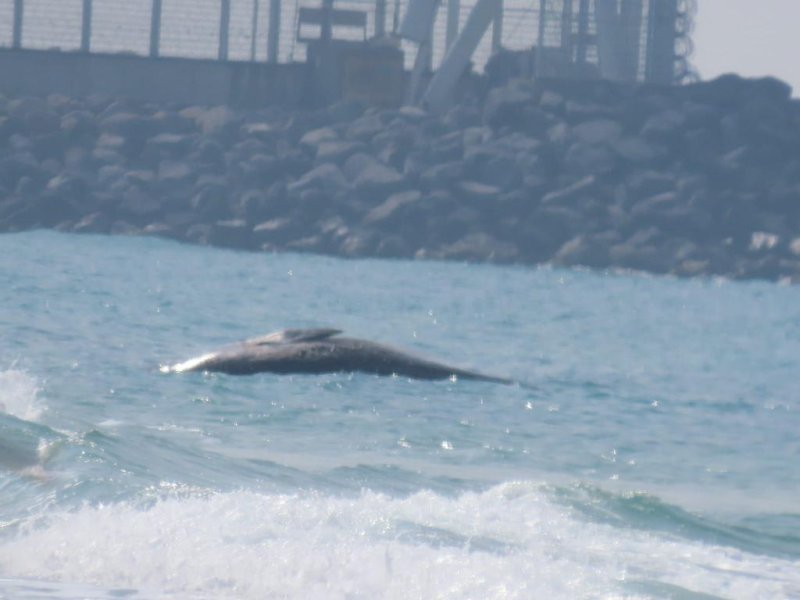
{"type": "Point", "coordinates": [192, 28]}
{"type": "Point", "coordinates": [261, 30]}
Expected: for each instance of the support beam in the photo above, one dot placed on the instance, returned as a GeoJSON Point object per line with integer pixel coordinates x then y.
{"type": "Point", "coordinates": [609, 39]}
{"type": "Point", "coordinates": [497, 28]}
{"type": "Point", "coordinates": [631, 22]}
{"type": "Point", "coordinates": [541, 24]}
{"type": "Point", "coordinates": [380, 18]}
{"type": "Point", "coordinates": [326, 31]}
{"type": "Point", "coordinates": [566, 30]}
{"type": "Point", "coordinates": [429, 50]}
{"type": "Point", "coordinates": [273, 39]}
{"type": "Point", "coordinates": [254, 31]}
{"type": "Point", "coordinates": [86, 26]}
{"type": "Point", "coordinates": [457, 57]}
{"type": "Point", "coordinates": [19, 10]}
{"type": "Point", "coordinates": [224, 28]}
{"type": "Point", "coordinates": [661, 42]}
{"type": "Point", "coordinates": [421, 62]}
{"type": "Point", "coordinates": [453, 15]}
{"type": "Point", "coordinates": [418, 21]}
{"type": "Point", "coordinates": [583, 32]}
{"type": "Point", "coordinates": [618, 38]}
{"type": "Point", "coordinates": [396, 17]}
{"type": "Point", "coordinates": [155, 27]}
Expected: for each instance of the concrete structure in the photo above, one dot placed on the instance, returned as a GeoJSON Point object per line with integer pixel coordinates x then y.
{"type": "Point", "coordinates": [178, 80]}
{"type": "Point", "coordinates": [86, 46]}
{"type": "Point", "coordinates": [620, 40]}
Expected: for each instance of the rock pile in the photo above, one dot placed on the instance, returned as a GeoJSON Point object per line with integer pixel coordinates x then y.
{"type": "Point", "coordinates": [696, 180]}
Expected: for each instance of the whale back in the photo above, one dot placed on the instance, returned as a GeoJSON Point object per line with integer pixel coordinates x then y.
{"type": "Point", "coordinates": [293, 336]}
{"type": "Point", "coordinates": [321, 351]}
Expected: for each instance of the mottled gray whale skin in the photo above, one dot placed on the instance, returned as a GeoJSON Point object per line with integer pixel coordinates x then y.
{"type": "Point", "coordinates": [322, 351]}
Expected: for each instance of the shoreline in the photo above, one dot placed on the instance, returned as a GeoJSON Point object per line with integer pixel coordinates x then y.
{"type": "Point", "coordinates": [698, 180]}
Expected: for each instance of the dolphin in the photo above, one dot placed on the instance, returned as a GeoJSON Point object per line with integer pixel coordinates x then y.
{"type": "Point", "coordinates": [321, 351]}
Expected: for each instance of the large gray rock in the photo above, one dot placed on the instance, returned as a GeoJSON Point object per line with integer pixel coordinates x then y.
{"type": "Point", "coordinates": [639, 257]}
{"type": "Point", "coordinates": [337, 151]}
{"type": "Point", "coordinates": [416, 161]}
{"type": "Point", "coordinates": [664, 127]}
{"type": "Point", "coordinates": [442, 176]}
{"type": "Point", "coordinates": [358, 243]}
{"type": "Point", "coordinates": [267, 133]}
{"type": "Point", "coordinates": [597, 131]}
{"type": "Point", "coordinates": [644, 184]}
{"type": "Point", "coordinates": [356, 163]}
{"type": "Point", "coordinates": [20, 107]}
{"type": "Point", "coordinates": [447, 147]}
{"type": "Point", "coordinates": [211, 203]}
{"type": "Point", "coordinates": [167, 146]}
{"type": "Point", "coordinates": [326, 177]}
{"type": "Point", "coordinates": [68, 187]}
{"type": "Point", "coordinates": [365, 128]}
{"type": "Point", "coordinates": [168, 121]}
{"type": "Point", "coordinates": [274, 233]}
{"type": "Point", "coordinates": [670, 212]}
{"type": "Point", "coordinates": [516, 143]}
{"type": "Point", "coordinates": [247, 148]}
{"type": "Point", "coordinates": [584, 159]}
{"type": "Point", "coordinates": [388, 213]}
{"type": "Point", "coordinates": [505, 107]}
{"type": "Point", "coordinates": [127, 125]}
{"type": "Point", "coordinates": [315, 137]}
{"type": "Point", "coordinates": [578, 111]}
{"type": "Point", "coordinates": [139, 205]}
{"type": "Point", "coordinates": [475, 136]}
{"type": "Point", "coordinates": [475, 191]}
{"type": "Point", "coordinates": [231, 233]}
{"type": "Point", "coordinates": [551, 101]}
{"type": "Point", "coordinates": [208, 153]}
{"type": "Point", "coordinates": [588, 250]}
{"type": "Point", "coordinates": [260, 170]}
{"type": "Point", "coordinates": [638, 151]}
{"type": "Point", "coordinates": [571, 194]}
{"type": "Point", "coordinates": [174, 175]}
{"type": "Point", "coordinates": [38, 122]}
{"type": "Point", "coordinates": [371, 178]}
{"type": "Point", "coordinates": [96, 222]}
{"type": "Point", "coordinates": [108, 175]}
{"type": "Point", "coordinates": [18, 165]}
{"type": "Point", "coordinates": [501, 172]}
{"type": "Point", "coordinates": [379, 181]}
{"type": "Point", "coordinates": [344, 111]}
{"type": "Point", "coordinates": [218, 121]}
{"type": "Point", "coordinates": [480, 246]}
{"type": "Point", "coordinates": [251, 205]}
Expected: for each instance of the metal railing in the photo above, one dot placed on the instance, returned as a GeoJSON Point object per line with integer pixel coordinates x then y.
{"type": "Point", "coordinates": [266, 30]}
{"type": "Point", "coordinates": [256, 30]}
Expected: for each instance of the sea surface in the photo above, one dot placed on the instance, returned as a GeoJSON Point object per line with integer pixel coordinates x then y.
{"type": "Point", "coordinates": [653, 452]}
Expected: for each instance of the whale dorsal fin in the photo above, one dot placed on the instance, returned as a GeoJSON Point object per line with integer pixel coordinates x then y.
{"type": "Point", "coordinates": [290, 336]}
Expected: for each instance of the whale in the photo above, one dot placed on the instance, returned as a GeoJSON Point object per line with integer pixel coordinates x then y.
{"type": "Point", "coordinates": [322, 350]}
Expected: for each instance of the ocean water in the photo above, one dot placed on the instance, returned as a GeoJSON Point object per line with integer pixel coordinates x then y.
{"type": "Point", "coordinates": [654, 453]}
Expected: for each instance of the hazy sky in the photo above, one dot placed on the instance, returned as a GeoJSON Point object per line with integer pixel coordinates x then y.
{"type": "Point", "coordinates": [750, 37]}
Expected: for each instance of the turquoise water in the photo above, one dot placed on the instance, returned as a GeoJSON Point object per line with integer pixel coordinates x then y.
{"type": "Point", "coordinates": [654, 455]}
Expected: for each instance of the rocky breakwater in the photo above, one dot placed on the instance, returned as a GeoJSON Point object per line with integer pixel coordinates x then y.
{"type": "Point", "coordinates": [697, 180]}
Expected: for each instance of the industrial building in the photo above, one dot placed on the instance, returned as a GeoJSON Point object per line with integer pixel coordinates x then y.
{"type": "Point", "coordinates": [622, 40]}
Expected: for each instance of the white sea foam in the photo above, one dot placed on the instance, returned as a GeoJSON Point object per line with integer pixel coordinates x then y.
{"type": "Point", "coordinates": [510, 541]}
{"type": "Point", "coordinates": [19, 395]}
{"type": "Point", "coordinates": [188, 365]}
